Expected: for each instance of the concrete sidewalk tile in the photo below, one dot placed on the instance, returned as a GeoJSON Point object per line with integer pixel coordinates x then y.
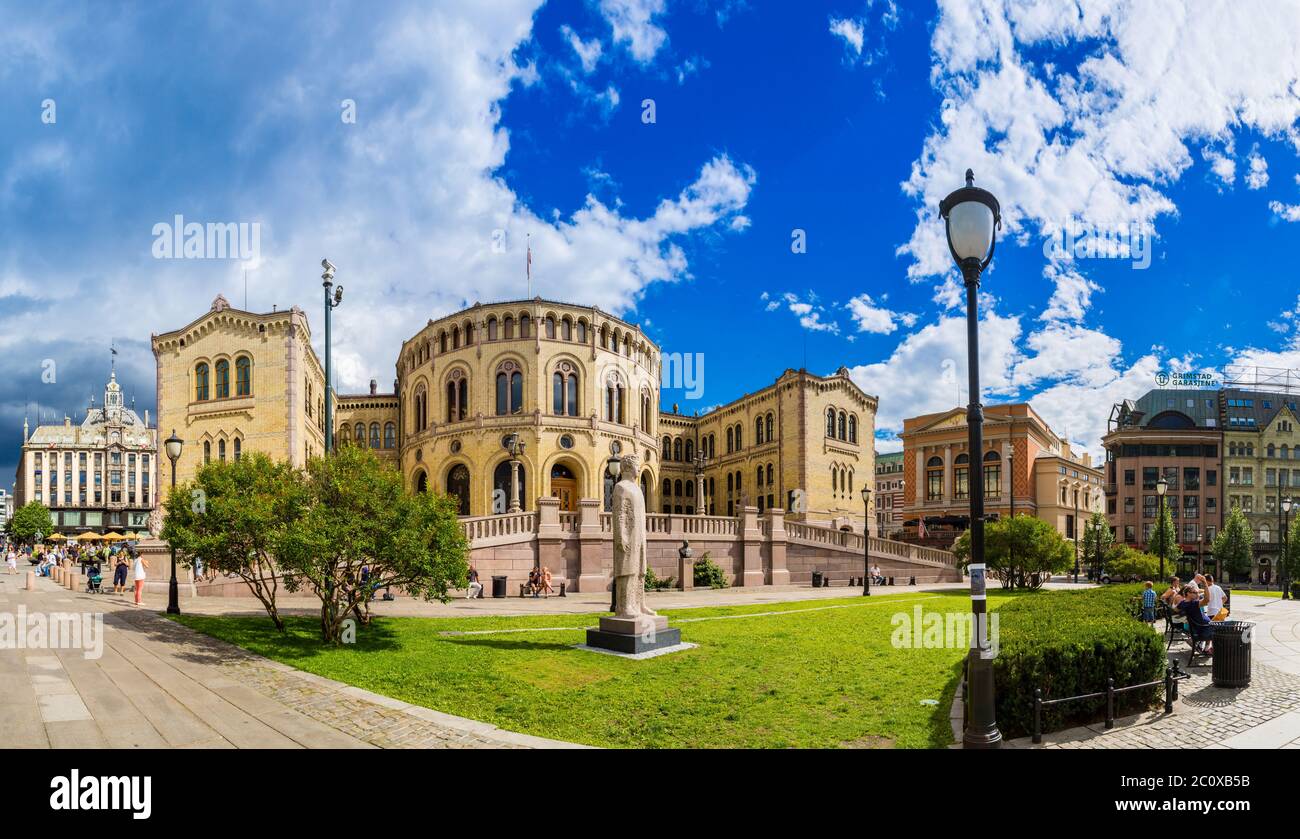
{"type": "Point", "coordinates": [63, 707]}
{"type": "Point", "coordinates": [1270, 735]}
{"type": "Point", "coordinates": [79, 734]}
{"type": "Point", "coordinates": [21, 727]}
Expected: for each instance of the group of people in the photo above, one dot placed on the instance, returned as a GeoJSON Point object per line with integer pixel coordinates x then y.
{"type": "Point", "coordinates": [123, 559]}
{"type": "Point", "coordinates": [539, 583]}
{"type": "Point", "coordinates": [1200, 601]}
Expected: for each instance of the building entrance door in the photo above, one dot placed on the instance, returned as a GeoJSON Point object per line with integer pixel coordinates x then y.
{"type": "Point", "coordinates": [566, 489]}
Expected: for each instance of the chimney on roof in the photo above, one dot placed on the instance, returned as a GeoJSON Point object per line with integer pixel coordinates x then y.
{"type": "Point", "coordinates": [374, 387]}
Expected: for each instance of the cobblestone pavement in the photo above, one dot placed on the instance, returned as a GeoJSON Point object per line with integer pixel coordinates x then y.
{"type": "Point", "coordinates": [158, 684]}
{"type": "Point", "coordinates": [1265, 714]}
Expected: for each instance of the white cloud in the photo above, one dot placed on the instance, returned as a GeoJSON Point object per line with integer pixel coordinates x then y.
{"type": "Point", "coordinates": [1286, 212]}
{"type": "Point", "coordinates": [633, 23]}
{"type": "Point", "coordinates": [1257, 177]}
{"type": "Point", "coordinates": [872, 317]}
{"type": "Point", "coordinates": [588, 51]}
{"type": "Point", "coordinates": [809, 312]}
{"type": "Point", "coordinates": [1072, 296]}
{"type": "Point", "coordinates": [851, 31]}
{"type": "Point", "coordinates": [1103, 135]}
{"type": "Point", "coordinates": [1223, 167]}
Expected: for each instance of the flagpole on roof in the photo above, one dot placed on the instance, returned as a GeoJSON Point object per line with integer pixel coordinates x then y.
{"type": "Point", "coordinates": [528, 265]}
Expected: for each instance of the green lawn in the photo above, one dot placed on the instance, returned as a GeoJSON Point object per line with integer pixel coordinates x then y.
{"type": "Point", "coordinates": [818, 674]}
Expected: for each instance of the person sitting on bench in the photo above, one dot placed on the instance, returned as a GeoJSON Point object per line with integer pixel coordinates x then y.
{"type": "Point", "coordinates": [475, 588]}
{"type": "Point", "coordinates": [876, 577]}
{"type": "Point", "coordinates": [1198, 626]}
{"type": "Point", "coordinates": [534, 583]}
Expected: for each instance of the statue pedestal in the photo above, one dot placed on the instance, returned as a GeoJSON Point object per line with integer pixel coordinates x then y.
{"type": "Point", "coordinates": [634, 635]}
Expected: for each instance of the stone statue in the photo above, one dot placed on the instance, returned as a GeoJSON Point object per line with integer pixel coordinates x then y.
{"type": "Point", "coordinates": [155, 522]}
{"type": "Point", "coordinates": [629, 543]}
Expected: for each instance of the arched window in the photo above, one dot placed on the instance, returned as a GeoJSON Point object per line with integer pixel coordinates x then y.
{"type": "Point", "coordinates": [492, 328]}
{"type": "Point", "coordinates": [713, 448]}
{"type": "Point", "coordinates": [442, 341]}
{"type": "Point", "coordinates": [614, 400]}
{"type": "Point", "coordinates": [390, 435]}
{"type": "Point", "coordinates": [830, 422]}
{"type": "Point", "coordinates": [992, 475]}
{"type": "Point", "coordinates": [345, 434]}
{"type": "Point", "coordinates": [768, 435]}
{"type": "Point", "coordinates": [207, 451]}
{"type": "Point", "coordinates": [1271, 451]}
{"type": "Point", "coordinates": [835, 481]}
{"type": "Point", "coordinates": [501, 484]}
{"type": "Point", "coordinates": [243, 376]}
{"type": "Point", "coordinates": [739, 445]}
{"type": "Point", "coordinates": [961, 477]}
{"type": "Point", "coordinates": [843, 435]}
{"type": "Point", "coordinates": [730, 440]}
{"type": "Point", "coordinates": [421, 405]}
{"type": "Point", "coordinates": [455, 337]}
{"type": "Point", "coordinates": [1264, 533]}
{"type": "Point", "coordinates": [582, 331]}
{"type": "Point", "coordinates": [566, 329]}
{"type": "Point", "coordinates": [564, 390]}
{"type": "Point", "coordinates": [239, 449]}
{"type": "Point", "coordinates": [853, 429]}
{"type": "Point", "coordinates": [457, 395]}
{"type": "Point", "coordinates": [523, 325]}
{"type": "Point", "coordinates": [469, 332]}
{"type": "Point", "coordinates": [457, 486]}
{"type": "Point", "coordinates": [770, 479]}
{"type": "Point", "coordinates": [850, 483]}
{"type": "Point", "coordinates": [223, 379]}
{"type": "Point", "coordinates": [758, 431]}
{"type": "Point", "coordinates": [421, 482]}
{"type": "Point", "coordinates": [690, 451]}
{"type": "Point", "coordinates": [758, 478]}
{"type": "Point", "coordinates": [221, 450]}
{"type": "Point", "coordinates": [1285, 452]}
{"type": "Point", "coordinates": [508, 324]}
{"type": "Point", "coordinates": [374, 435]}
{"type": "Point", "coordinates": [201, 383]}
{"type": "Point", "coordinates": [668, 448]}
{"type": "Point", "coordinates": [668, 488]}
{"type": "Point", "coordinates": [510, 388]}
{"type": "Point", "coordinates": [934, 479]}
{"type": "Point", "coordinates": [361, 434]}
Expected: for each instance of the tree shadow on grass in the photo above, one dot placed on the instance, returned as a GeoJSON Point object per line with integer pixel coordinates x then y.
{"type": "Point", "coordinates": [507, 644]}
{"type": "Point", "coordinates": [207, 639]}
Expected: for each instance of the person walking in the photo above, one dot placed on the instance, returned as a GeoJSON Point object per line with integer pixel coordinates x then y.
{"type": "Point", "coordinates": [138, 574]}
{"type": "Point", "coordinates": [11, 561]}
{"type": "Point", "coordinates": [475, 588]}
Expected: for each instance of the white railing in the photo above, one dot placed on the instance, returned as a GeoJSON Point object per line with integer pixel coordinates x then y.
{"type": "Point", "coordinates": [710, 525]}
{"type": "Point", "coordinates": [879, 546]}
{"type": "Point", "coordinates": [508, 527]}
{"type": "Point", "coordinates": [569, 522]}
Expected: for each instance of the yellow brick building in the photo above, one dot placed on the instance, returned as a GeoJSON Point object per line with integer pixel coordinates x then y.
{"type": "Point", "coordinates": [572, 384]}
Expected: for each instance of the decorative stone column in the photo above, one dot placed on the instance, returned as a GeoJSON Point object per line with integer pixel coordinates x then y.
{"type": "Point", "coordinates": [752, 538]}
{"type": "Point", "coordinates": [550, 538]}
{"type": "Point", "coordinates": [593, 548]}
{"type": "Point", "coordinates": [780, 575]}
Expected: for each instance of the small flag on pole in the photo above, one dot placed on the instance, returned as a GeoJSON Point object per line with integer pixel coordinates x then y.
{"type": "Point", "coordinates": [528, 268]}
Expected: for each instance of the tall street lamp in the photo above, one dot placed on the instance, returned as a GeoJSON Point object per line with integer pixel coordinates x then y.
{"type": "Point", "coordinates": [700, 462]}
{"type": "Point", "coordinates": [173, 446]}
{"type": "Point", "coordinates": [1074, 534]}
{"type": "Point", "coordinates": [1286, 549]}
{"type": "Point", "coordinates": [971, 217]}
{"type": "Point", "coordinates": [866, 540]}
{"type": "Point", "coordinates": [1161, 486]}
{"type": "Point", "coordinates": [332, 301]}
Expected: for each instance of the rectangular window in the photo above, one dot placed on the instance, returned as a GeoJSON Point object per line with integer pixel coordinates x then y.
{"type": "Point", "coordinates": [1129, 475]}
{"type": "Point", "coordinates": [1191, 479]}
{"type": "Point", "coordinates": [1191, 506]}
{"type": "Point", "coordinates": [1130, 534]}
{"type": "Point", "coordinates": [1211, 477]}
{"type": "Point", "coordinates": [1130, 504]}
{"type": "Point", "coordinates": [1149, 506]}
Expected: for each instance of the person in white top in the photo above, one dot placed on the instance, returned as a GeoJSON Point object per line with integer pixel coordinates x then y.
{"type": "Point", "coordinates": [138, 575]}
{"type": "Point", "coordinates": [1213, 600]}
{"type": "Point", "coordinates": [11, 560]}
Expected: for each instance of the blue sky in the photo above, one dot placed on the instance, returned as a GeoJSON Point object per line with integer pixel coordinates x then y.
{"type": "Point", "coordinates": [846, 121]}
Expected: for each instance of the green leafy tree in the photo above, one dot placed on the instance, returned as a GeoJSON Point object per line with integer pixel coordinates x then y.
{"type": "Point", "coordinates": [30, 519]}
{"type": "Point", "coordinates": [1124, 564]}
{"type": "Point", "coordinates": [1097, 541]}
{"type": "Point", "coordinates": [1291, 558]}
{"type": "Point", "coordinates": [1234, 544]}
{"type": "Point", "coordinates": [1020, 552]}
{"type": "Point", "coordinates": [235, 515]}
{"type": "Point", "coordinates": [359, 515]}
{"type": "Point", "coordinates": [1164, 541]}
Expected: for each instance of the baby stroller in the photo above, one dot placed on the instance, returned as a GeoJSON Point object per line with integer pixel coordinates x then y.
{"type": "Point", "coordinates": [94, 581]}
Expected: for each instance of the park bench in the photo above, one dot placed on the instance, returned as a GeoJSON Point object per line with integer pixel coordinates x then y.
{"type": "Point", "coordinates": [557, 589]}
{"type": "Point", "coordinates": [1176, 630]}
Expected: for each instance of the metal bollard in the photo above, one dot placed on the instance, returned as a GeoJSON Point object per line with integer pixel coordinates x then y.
{"type": "Point", "coordinates": [1038, 716]}
{"type": "Point", "coordinates": [1110, 703]}
{"type": "Point", "coordinates": [562, 587]}
{"type": "Point", "coordinates": [1169, 691]}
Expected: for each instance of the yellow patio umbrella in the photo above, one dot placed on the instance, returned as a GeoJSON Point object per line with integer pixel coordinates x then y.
{"type": "Point", "coordinates": [88, 536]}
{"type": "Point", "coordinates": [56, 537]}
{"type": "Point", "coordinates": [113, 537]}
{"type": "Point", "coordinates": [131, 535]}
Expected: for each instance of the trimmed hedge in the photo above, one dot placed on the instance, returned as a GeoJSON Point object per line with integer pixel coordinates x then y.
{"type": "Point", "coordinates": [1069, 643]}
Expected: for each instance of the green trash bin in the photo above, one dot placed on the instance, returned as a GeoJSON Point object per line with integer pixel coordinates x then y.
{"type": "Point", "coordinates": [1232, 643]}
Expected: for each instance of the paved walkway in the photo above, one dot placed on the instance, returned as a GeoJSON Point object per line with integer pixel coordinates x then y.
{"type": "Point", "coordinates": [158, 684]}
{"type": "Point", "coordinates": [1264, 715]}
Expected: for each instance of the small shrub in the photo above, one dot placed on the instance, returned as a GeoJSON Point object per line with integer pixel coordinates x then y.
{"type": "Point", "coordinates": [1069, 643]}
{"type": "Point", "coordinates": [707, 573]}
{"type": "Point", "coordinates": [653, 583]}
